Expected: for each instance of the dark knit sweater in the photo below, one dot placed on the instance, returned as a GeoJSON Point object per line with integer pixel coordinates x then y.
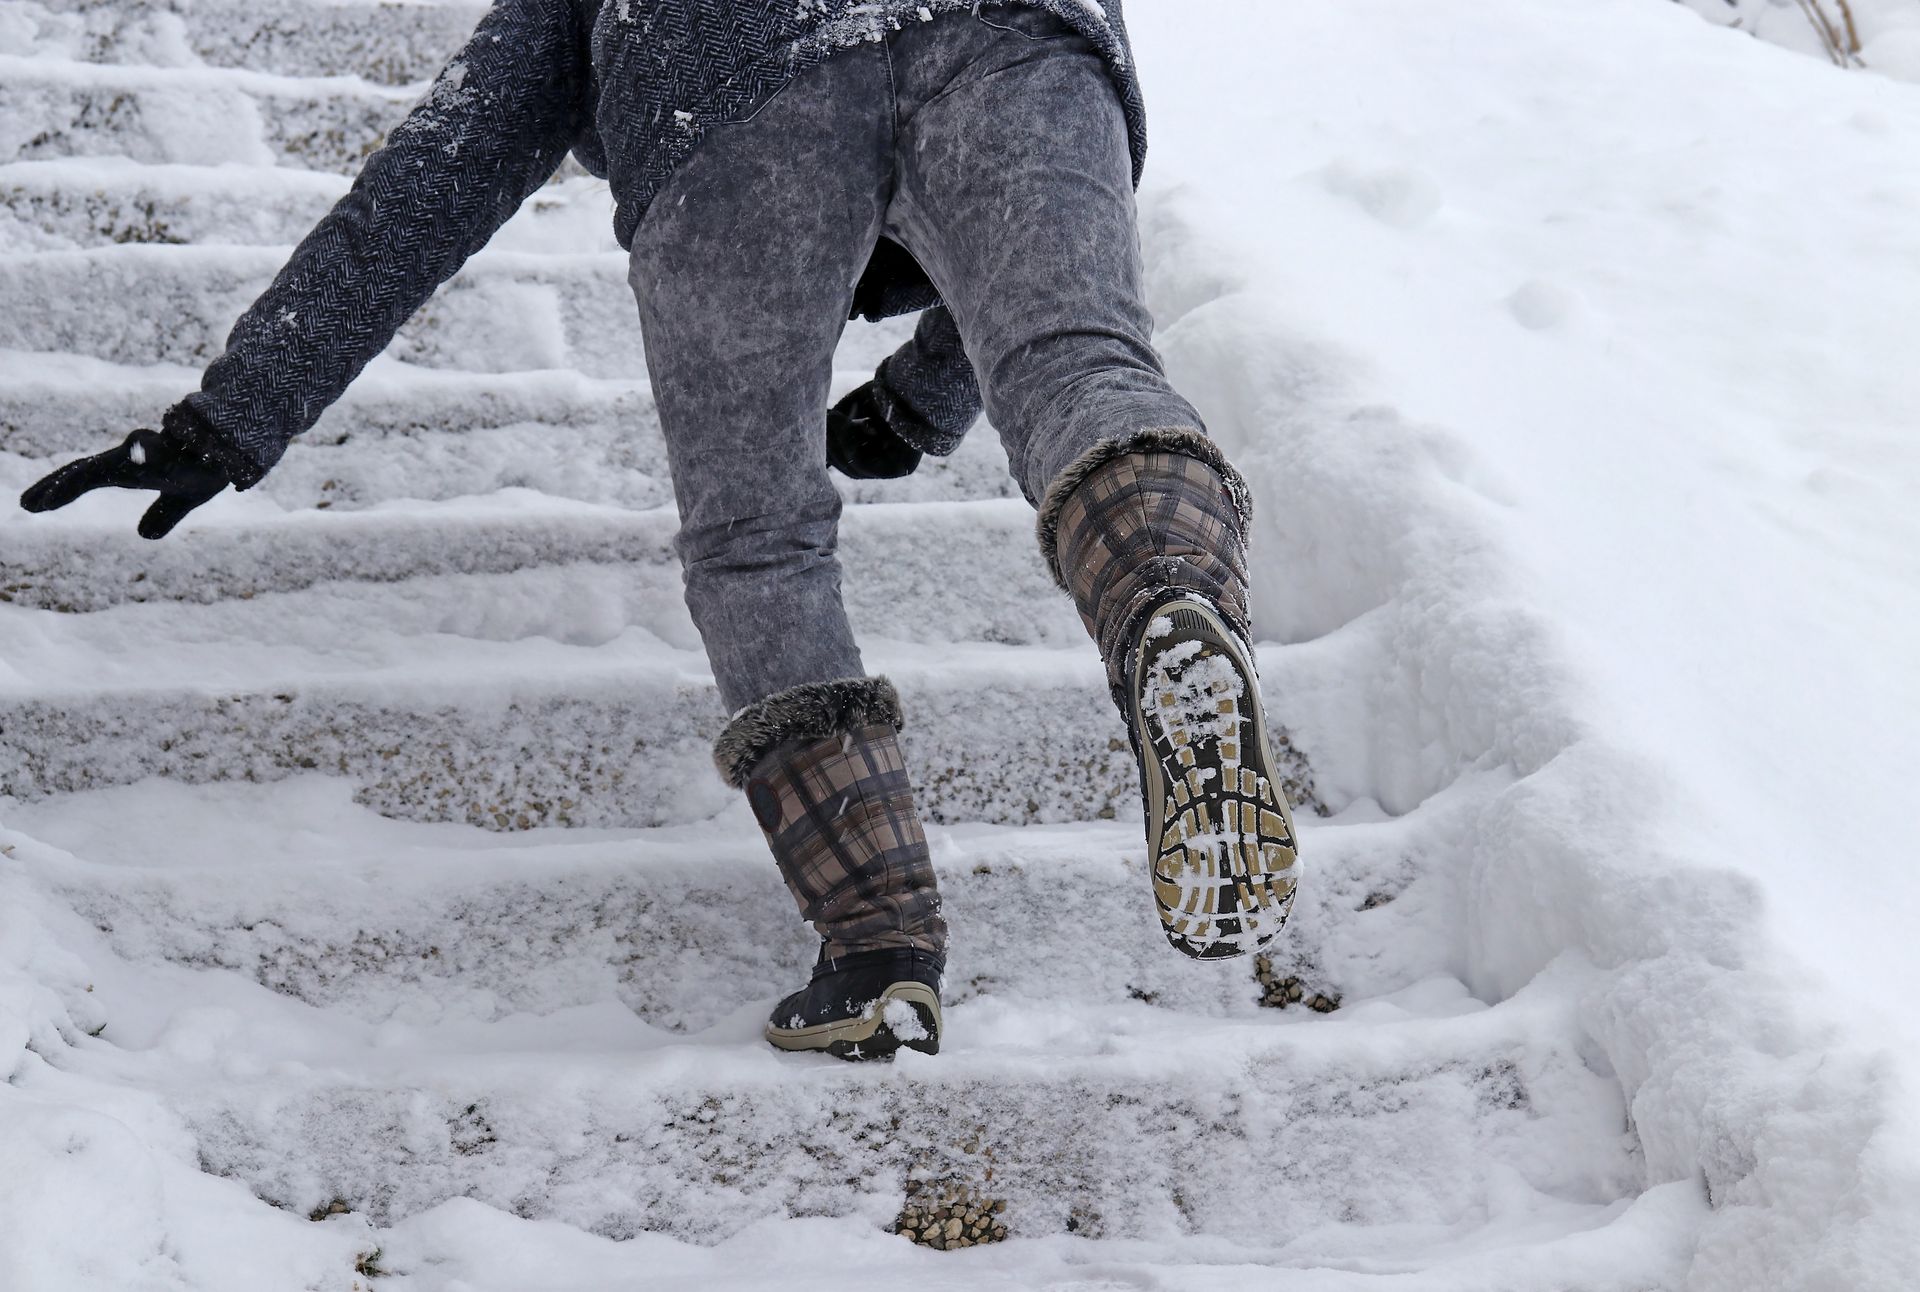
{"type": "Point", "coordinates": [630, 87]}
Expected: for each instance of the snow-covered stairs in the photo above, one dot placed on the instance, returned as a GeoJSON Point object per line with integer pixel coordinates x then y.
{"type": "Point", "coordinates": [164, 303]}
{"type": "Point", "coordinates": [563, 1025]}
{"type": "Point", "coordinates": [385, 43]}
{"type": "Point", "coordinates": [380, 797]}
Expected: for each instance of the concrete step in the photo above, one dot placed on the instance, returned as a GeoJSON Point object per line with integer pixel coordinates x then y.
{"type": "Point", "coordinates": [68, 204]}
{"type": "Point", "coordinates": [402, 431]}
{"type": "Point", "coordinates": [925, 571]}
{"type": "Point", "coordinates": [506, 714]}
{"type": "Point", "coordinates": [506, 311]}
{"type": "Point", "coordinates": [71, 203]}
{"type": "Point", "coordinates": [564, 1024]}
{"type": "Point", "coordinates": [54, 405]}
{"type": "Point", "coordinates": [385, 42]}
{"type": "Point", "coordinates": [295, 888]}
{"type": "Point", "coordinates": [197, 115]}
{"type": "Point", "coordinates": [1102, 1121]}
{"type": "Point", "coordinates": [147, 304]}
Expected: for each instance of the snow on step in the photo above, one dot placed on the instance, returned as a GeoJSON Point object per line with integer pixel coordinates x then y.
{"type": "Point", "coordinates": [294, 887]}
{"type": "Point", "coordinates": [389, 43]}
{"type": "Point", "coordinates": [1098, 1123]}
{"type": "Point", "coordinates": [53, 404]}
{"type": "Point", "coordinates": [402, 431]}
{"type": "Point", "coordinates": [70, 203]}
{"type": "Point", "coordinates": [488, 721]}
{"type": "Point", "coordinates": [145, 304]}
{"type": "Point", "coordinates": [204, 116]}
{"type": "Point", "coordinates": [505, 311]}
{"type": "Point", "coordinates": [958, 571]}
{"type": "Point", "coordinates": [73, 203]}
{"type": "Point", "coordinates": [456, 1016]}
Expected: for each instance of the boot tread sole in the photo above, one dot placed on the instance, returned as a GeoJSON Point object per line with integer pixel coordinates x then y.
{"type": "Point", "coordinates": [1207, 774]}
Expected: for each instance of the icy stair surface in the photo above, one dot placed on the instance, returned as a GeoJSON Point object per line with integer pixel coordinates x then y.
{"type": "Point", "coordinates": [376, 899]}
{"type": "Point", "coordinates": [563, 1025]}
{"type": "Point", "coordinates": [570, 693]}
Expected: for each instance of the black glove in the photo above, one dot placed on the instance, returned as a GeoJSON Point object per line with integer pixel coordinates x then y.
{"type": "Point", "coordinates": [144, 460]}
{"type": "Point", "coordinates": [861, 445]}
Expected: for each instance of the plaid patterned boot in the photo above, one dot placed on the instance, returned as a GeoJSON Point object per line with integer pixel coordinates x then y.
{"type": "Point", "coordinates": [822, 768]}
{"type": "Point", "coordinates": [1148, 534]}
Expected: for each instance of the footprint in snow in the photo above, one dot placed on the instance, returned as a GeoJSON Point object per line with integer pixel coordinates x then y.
{"type": "Point", "coordinates": [1395, 195]}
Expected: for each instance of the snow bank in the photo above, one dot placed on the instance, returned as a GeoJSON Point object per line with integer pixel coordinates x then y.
{"type": "Point", "coordinates": [1883, 35]}
{"type": "Point", "coordinates": [1596, 423]}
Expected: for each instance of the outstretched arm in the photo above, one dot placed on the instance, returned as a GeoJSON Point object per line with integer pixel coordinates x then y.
{"type": "Point", "coordinates": [922, 400]}
{"type": "Point", "coordinates": [494, 127]}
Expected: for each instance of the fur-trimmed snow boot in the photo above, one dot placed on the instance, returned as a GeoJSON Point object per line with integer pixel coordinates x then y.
{"type": "Point", "coordinates": [823, 771]}
{"type": "Point", "coordinates": [1148, 534]}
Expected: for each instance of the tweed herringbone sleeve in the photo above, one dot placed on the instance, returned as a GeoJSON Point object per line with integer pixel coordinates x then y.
{"type": "Point", "coordinates": [496, 124]}
{"type": "Point", "coordinates": [927, 387]}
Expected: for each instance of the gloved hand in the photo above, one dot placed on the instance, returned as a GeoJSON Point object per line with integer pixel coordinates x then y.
{"type": "Point", "coordinates": [144, 460]}
{"type": "Point", "coordinates": [860, 444]}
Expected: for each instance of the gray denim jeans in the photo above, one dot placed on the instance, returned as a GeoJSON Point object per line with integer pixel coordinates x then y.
{"type": "Point", "coordinates": [992, 146]}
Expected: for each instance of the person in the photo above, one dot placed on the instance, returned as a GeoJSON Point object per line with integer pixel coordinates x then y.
{"type": "Point", "coordinates": [777, 168]}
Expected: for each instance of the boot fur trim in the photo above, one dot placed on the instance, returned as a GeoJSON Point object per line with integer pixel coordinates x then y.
{"type": "Point", "coordinates": [809, 712]}
{"type": "Point", "coordinates": [1159, 439]}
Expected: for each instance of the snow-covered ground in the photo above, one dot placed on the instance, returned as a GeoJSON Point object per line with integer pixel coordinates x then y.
{"type": "Point", "coordinates": [1880, 34]}
{"type": "Point", "coordinates": [1568, 351]}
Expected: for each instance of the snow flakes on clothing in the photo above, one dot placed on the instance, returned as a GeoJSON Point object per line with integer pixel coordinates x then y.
{"type": "Point", "coordinates": [728, 58]}
{"type": "Point", "coordinates": [535, 81]}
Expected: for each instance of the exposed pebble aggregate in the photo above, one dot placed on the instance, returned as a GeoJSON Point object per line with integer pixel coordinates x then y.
{"type": "Point", "coordinates": [1281, 991]}
{"type": "Point", "coordinates": [950, 1214]}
